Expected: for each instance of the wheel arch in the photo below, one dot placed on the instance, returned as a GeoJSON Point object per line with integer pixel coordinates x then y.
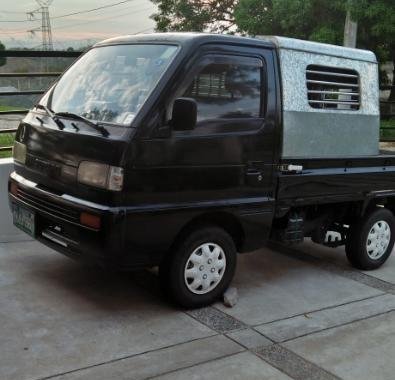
{"type": "Point", "coordinates": [225, 220]}
{"type": "Point", "coordinates": [370, 204]}
{"type": "Point", "coordinates": [390, 204]}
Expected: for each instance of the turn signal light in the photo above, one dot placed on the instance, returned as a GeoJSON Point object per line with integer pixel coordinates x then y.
{"type": "Point", "coordinates": [14, 189]}
{"type": "Point", "coordinates": [90, 220]}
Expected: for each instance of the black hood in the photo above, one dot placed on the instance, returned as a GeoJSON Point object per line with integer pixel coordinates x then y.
{"type": "Point", "coordinates": [53, 155]}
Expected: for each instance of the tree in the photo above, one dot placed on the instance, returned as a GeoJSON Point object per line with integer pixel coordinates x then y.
{"type": "Point", "coordinates": [323, 21]}
{"type": "Point", "coordinates": [3, 60]}
{"type": "Point", "coordinates": [315, 20]}
{"type": "Point", "coordinates": [376, 31]}
{"type": "Point", "coordinates": [194, 15]}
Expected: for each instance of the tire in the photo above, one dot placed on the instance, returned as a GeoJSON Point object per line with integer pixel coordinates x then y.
{"type": "Point", "coordinates": [204, 254]}
{"type": "Point", "coordinates": [371, 240]}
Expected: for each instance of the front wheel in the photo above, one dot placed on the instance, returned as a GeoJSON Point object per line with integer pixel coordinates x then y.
{"type": "Point", "coordinates": [371, 240]}
{"type": "Point", "coordinates": [200, 268]}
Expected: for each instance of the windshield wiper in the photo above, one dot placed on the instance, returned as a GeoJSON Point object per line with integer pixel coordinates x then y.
{"type": "Point", "coordinates": [91, 123]}
{"type": "Point", "coordinates": [51, 114]}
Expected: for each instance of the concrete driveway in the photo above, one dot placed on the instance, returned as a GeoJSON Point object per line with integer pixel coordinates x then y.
{"type": "Point", "coordinates": [303, 313]}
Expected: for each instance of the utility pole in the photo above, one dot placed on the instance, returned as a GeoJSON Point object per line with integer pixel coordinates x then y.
{"type": "Point", "coordinates": [46, 24]}
{"type": "Point", "coordinates": [45, 29]}
{"type": "Point", "coordinates": [350, 29]}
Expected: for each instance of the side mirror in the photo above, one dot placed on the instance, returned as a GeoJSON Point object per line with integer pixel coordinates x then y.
{"type": "Point", "coordinates": [184, 114]}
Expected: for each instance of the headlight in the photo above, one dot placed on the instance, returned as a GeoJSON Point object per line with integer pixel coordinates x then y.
{"type": "Point", "coordinates": [19, 152]}
{"type": "Point", "coordinates": [100, 175]}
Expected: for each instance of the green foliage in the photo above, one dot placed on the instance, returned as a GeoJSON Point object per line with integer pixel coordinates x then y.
{"type": "Point", "coordinates": [315, 20]}
{"type": "Point", "coordinates": [194, 15]}
{"type": "Point", "coordinates": [322, 21]}
{"type": "Point", "coordinates": [376, 26]}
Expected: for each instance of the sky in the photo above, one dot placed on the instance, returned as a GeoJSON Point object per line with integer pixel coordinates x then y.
{"type": "Point", "coordinates": [130, 17]}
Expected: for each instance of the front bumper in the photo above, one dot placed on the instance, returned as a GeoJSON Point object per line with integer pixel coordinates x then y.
{"type": "Point", "coordinates": [57, 223]}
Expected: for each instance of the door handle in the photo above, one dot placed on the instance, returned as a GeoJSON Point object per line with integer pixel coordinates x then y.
{"type": "Point", "coordinates": [254, 176]}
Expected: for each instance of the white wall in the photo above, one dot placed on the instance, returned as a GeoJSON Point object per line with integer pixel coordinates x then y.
{"type": "Point", "coordinates": [8, 232]}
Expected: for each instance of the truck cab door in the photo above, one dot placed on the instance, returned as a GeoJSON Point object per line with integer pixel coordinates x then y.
{"type": "Point", "coordinates": [227, 160]}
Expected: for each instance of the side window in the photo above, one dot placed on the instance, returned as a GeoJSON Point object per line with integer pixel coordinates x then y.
{"type": "Point", "coordinates": [332, 87]}
{"type": "Point", "coordinates": [227, 90]}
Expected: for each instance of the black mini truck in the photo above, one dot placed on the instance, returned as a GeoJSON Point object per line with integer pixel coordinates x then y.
{"type": "Point", "coordinates": [180, 150]}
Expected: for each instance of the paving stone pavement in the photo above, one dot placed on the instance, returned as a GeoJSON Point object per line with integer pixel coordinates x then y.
{"type": "Point", "coordinates": [303, 313]}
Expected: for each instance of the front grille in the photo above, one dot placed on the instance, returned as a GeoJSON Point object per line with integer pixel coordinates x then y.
{"type": "Point", "coordinates": [51, 208]}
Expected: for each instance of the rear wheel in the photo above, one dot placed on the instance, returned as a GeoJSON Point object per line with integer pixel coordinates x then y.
{"type": "Point", "coordinates": [371, 240]}
{"type": "Point", "coordinates": [200, 268]}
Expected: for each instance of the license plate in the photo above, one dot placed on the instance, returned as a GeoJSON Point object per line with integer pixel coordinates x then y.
{"type": "Point", "coordinates": [23, 219]}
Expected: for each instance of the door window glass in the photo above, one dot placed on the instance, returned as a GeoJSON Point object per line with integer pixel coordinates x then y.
{"type": "Point", "coordinates": [227, 90]}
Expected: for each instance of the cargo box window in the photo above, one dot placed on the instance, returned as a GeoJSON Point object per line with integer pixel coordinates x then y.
{"type": "Point", "coordinates": [332, 88]}
{"type": "Point", "coordinates": [227, 90]}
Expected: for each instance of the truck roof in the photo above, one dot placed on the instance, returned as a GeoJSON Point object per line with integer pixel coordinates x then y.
{"type": "Point", "coordinates": [321, 48]}
{"type": "Point", "coordinates": [186, 38]}
{"type": "Point", "coordinates": [268, 41]}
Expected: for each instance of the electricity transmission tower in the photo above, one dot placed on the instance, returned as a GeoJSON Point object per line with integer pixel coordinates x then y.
{"type": "Point", "coordinates": [45, 28]}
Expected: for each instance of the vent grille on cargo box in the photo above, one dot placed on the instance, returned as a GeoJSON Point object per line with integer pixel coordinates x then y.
{"type": "Point", "coordinates": [332, 88]}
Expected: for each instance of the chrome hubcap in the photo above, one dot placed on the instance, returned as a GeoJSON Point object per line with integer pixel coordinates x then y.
{"type": "Point", "coordinates": [378, 240]}
{"type": "Point", "coordinates": [205, 268]}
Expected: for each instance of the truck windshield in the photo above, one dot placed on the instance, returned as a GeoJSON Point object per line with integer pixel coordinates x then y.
{"type": "Point", "coordinates": [111, 83]}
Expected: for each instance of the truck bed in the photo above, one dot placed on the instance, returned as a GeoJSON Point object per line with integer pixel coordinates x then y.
{"type": "Point", "coordinates": [336, 179]}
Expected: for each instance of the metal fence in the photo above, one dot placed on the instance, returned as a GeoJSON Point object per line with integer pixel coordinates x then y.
{"type": "Point", "coordinates": [387, 108]}
{"type": "Point", "coordinates": [387, 111]}
{"type": "Point", "coordinates": [7, 134]}
{"type": "Point", "coordinates": [387, 134]}
{"type": "Point", "coordinates": [6, 139]}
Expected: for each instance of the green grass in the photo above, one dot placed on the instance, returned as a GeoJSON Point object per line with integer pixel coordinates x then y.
{"type": "Point", "coordinates": [5, 154]}
{"type": "Point", "coordinates": [6, 140]}
{"type": "Point", "coordinates": [390, 123]}
{"type": "Point", "coordinates": [386, 131]}
{"type": "Point", "coordinates": [10, 108]}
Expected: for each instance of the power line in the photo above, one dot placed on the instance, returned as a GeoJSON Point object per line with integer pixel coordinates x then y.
{"type": "Point", "coordinates": [13, 39]}
{"type": "Point", "coordinates": [18, 12]}
{"type": "Point", "coordinates": [18, 20]}
{"type": "Point", "coordinates": [75, 13]}
{"type": "Point", "coordinates": [109, 12]}
{"type": "Point", "coordinates": [14, 31]}
{"type": "Point", "coordinates": [144, 30]}
{"type": "Point", "coordinates": [93, 9]}
{"type": "Point", "coordinates": [19, 30]}
{"type": "Point", "coordinates": [102, 19]}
